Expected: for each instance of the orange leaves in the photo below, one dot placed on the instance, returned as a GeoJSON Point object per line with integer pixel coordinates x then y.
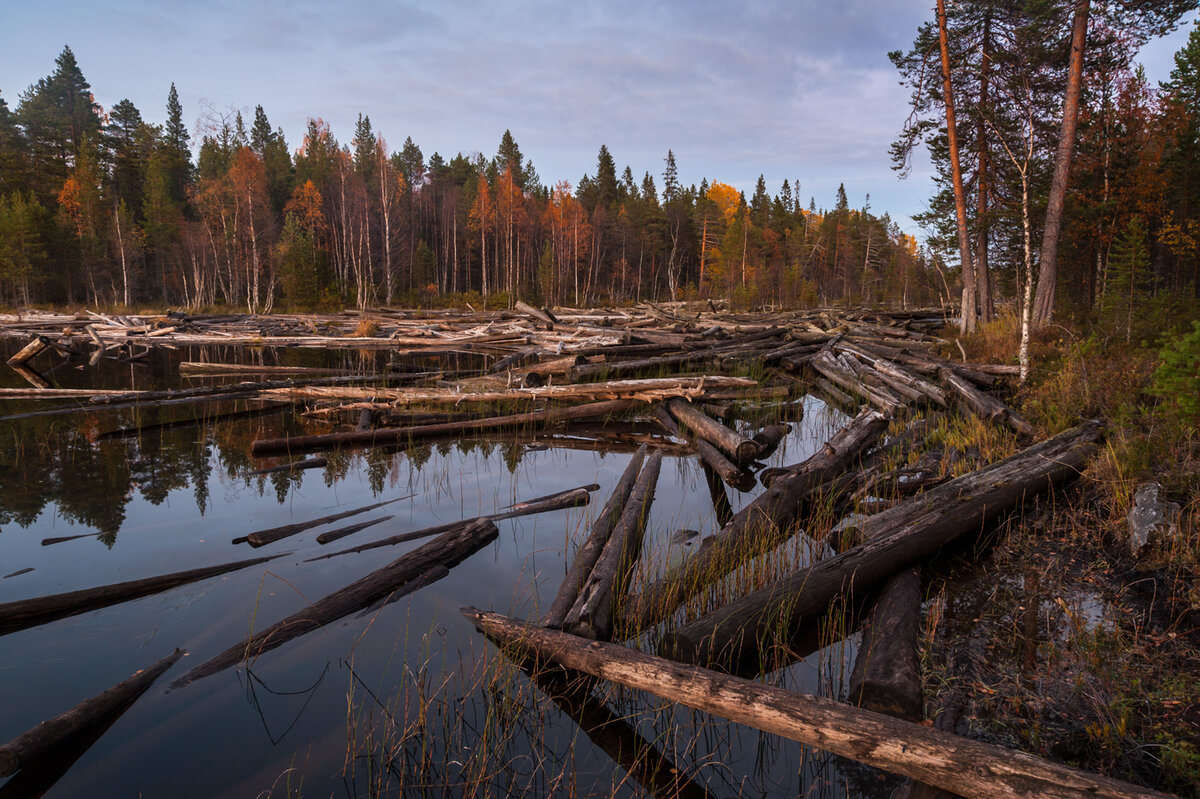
{"type": "Point", "coordinates": [305, 204]}
{"type": "Point", "coordinates": [69, 197]}
{"type": "Point", "coordinates": [726, 198]}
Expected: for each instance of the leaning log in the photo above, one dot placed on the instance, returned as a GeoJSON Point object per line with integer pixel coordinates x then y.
{"type": "Point", "coordinates": [261, 538]}
{"type": "Point", "coordinates": [712, 458]}
{"type": "Point", "coordinates": [962, 765]}
{"type": "Point", "coordinates": [766, 522]}
{"type": "Point", "coordinates": [586, 556]}
{"type": "Point", "coordinates": [740, 449]}
{"type": "Point", "coordinates": [26, 613]}
{"type": "Point", "coordinates": [894, 539]}
{"type": "Point", "coordinates": [592, 613]}
{"type": "Point", "coordinates": [400, 435]}
{"type": "Point", "coordinates": [886, 676]}
{"type": "Point", "coordinates": [447, 550]}
{"type": "Point", "coordinates": [81, 719]}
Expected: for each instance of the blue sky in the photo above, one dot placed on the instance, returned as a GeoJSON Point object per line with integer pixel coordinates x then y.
{"type": "Point", "coordinates": [796, 89]}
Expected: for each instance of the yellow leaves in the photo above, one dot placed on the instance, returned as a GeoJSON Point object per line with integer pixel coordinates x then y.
{"type": "Point", "coordinates": [725, 197]}
{"type": "Point", "coordinates": [305, 203]}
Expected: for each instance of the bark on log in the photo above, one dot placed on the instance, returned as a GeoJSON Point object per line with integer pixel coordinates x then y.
{"type": "Point", "coordinates": [82, 718]}
{"type": "Point", "coordinates": [887, 675]}
{"type": "Point", "coordinates": [587, 555]}
{"type": "Point", "coordinates": [731, 473]}
{"type": "Point", "coordinates": [764, 523]}
{"type": "Point", "coordinates": [769, 438]}
{"type": "Point", "coordinates": [26, 613]}
{"type": "Point", "coordinates": [740, 449]}
{"type": "Point", "coordinates": [985, 407]}
{"type": "Point", "coordinates": [824, 363]}
{"type": "Point", "coordinates": [29, 351]}
{"type": "Point", "coordinates": [448, 549]}
{"type": "Point", "coordinates": [894, 539]}
{"type": "Point", "coordinates": [342, 532]}
{"type": "Point", "coordinates": [261, 538]}
{"type": "Point", "coordinates": [965, 766]}
{"type": "Point", "coordinates": [537, 313]}
{"type": "Point", "coordinates": [394, 435]}
{"type": "Point", "coordinates": [592, 613]}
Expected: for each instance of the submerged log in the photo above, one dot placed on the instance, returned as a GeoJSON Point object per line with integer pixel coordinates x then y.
{"type": "Point", "coordinates": [393, 435]}
{"type": "Point", "coordinates": [307, 463]}
{"type": "Point", "coordinates": [26, 613]}
{"type": "Point", "coordinates": [587, 555]}
{"type": "Point", "coordinates": [764, 523]}
{"type": "Point", "coordinates": [592, 613]}
{"type": "Point", "coordinates": [98, 711]}
{"type": "Point", "coordinates": [261, 538]}
{"type": "Point", "coordinates": [740, 449]}
{"type": "Point", "coordinates": [887, 675]}
{"type": "Point", "coordinates": [894, 539]}
{"type": "Point", "coordinates": [962, 765]}
{"type": "Point", "coordinates": [448, 550]}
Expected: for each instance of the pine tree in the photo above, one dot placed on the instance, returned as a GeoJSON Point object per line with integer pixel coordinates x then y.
{"type": "Point", "coordinates": [178, 154]}
{"type": "Point", "coordinates": [670, 179]}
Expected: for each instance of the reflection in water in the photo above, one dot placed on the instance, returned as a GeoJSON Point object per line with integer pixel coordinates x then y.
{"type": "Point", "coordinates": [418, 701]}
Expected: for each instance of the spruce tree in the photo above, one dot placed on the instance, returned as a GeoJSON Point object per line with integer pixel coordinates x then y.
{"type": "Point", "coordinates": [178, 156]}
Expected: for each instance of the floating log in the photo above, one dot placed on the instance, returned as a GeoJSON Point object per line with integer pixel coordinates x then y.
{"type": "Point", "coordinates": [589, 552]}
{"type": "Point", "coordinates": [720, 499]}
{"type": "Point", "coordinates": [195, 369]}
{"type": "Point", "coordinates": [230, 416]}
{"type": "Point", "coordinates": [984, 406]}
{"type": "Point", "coordinates": [731, 473]}
{"type": "Point", "coordinates": [79, 720]}
{"type": "Point", "coordinates": [548, 499]}
{"type": "Point", "coordinates": [342, 532]}
{"type": "Point", "coordinates": [392, 435]}
{"type": "Point", "coordinates": [35, 347]}
{"type": "Point", "coordinates": [764, 523]}
{"type": "Point", "coordinates": [560, 501]}
{"type": "Point", "coordinates": [448, 550]}
{"type": "Point", "coordinates": [962, 765]}
{"type": "Point", "coordinates": [261, 538]}
{"type": "Point", "coordinates": [18, 572]}
{"type": "Point", "coordinates": [886, 676]}
{"type": "Point", "coordinates": [26, 613]}
{"type": "Point", "coordinates": [894, 539]}
{"type": "Point", "coordinates": [740, 449]}
{"type": "Point", "coordinates": [294, 466]}
{"type": "Point", "coordinates": [592, 614]}
{"type": "Point", "coordinates": [62, 539]}
{"type": "Point", "coordinates": [769, 438]}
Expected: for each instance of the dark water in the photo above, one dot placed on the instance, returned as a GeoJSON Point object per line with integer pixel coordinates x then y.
{"type": "Point", "coordinates": [408, 700]}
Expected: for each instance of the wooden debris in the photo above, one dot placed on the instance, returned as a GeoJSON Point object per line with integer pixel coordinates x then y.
{"type": "Point", "coordinates": [740, 450]}
{"type": "Point", "coordinates": [886, 676]}
{"type": "Point", "coordinates": [261, 538]}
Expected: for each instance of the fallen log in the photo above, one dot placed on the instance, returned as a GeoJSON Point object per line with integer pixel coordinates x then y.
{"type": "Point", "coordinates": [768, 439]}
{"type": "Point", "coordinates": [589, 552]}
{"type": "Point", "coordinates": [962, 765]}
{"type": "Point", "coordinates": [764, 523]}
{"type": "Point", "coordinates": [985, 407]}
{"type": "Point", "coordinates": [448, 550]}
{"type": "Point", "coordinates": [130, 432]}
{"type": "Point", "coordinates": [740, 449]}
{"type": "Point", "coordinates": [560, 501]}
{"type": "Point", "coordinates": [392, 435]}
{"type": "Point", "coordinates": [197, 369]}
{"type": "Point", "coordinates": [592, 614]}
{"type": "Point", "coordinates": [548, 499]}
{"type": "Point", "coordinates": [62, 539]}
{"type": "Point", "coordinates": [25, 613]}
{"type": "Point", "coordinates": [307, 463]}
{"type": "Point", "coordinates": [81, 719]}
{"type": "Point", "coordinates": [894, 539]}
{"type": "Point", "coordinates": [261, 538]}
{"type": "Point", "coordinates": [886, 677]}
{"type": "Point", "coordinates": [35, 347]}
{"type": "Point", "coordinates": [715, 460]}
{"type": "Point", "coordinates": [537, 313]}
{"type": "Point", "coordinates": [825, 364]}
{"type": "Point", "coordinates": [342, 532]}
{"type": "Point", "coordinates": [720, 498]}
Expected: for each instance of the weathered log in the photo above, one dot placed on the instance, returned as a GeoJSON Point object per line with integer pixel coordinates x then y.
{"type": "Point", "coordinates": [830, 392]}
{"type": "Point", "coordinates": [720, 499]}
{"type": "Point", "coordinates": [448, 549]}
{"type": "Point", "coordinates": [769, 438]}
{"type": "Point", "coordinates": [985, 407]}
{"type": "Point", "coordinates": [894, 539]}
{"type": "Point", "coordinates": [664, 418]}
{"type": "Point", "coordinates": [261, 538]}
{"type": "Point", "coordinates": [592, 613]}
{"type": "Point", "coordinates": [62, 539]}
{"type": "Point", "coordinates": [887, 675]}
{"type": "Point", "coordinates": [393, 435]}
{"type": "Point", "coordinates": [294, 466]}
{"type": "Point", "coordinates": [537, 313]}
{"type": "Point", "coordinates": [740, 449]}
{"type": "Point", "coordinates": [196, 369]}
{"type": "Point", "coordinates": [587, 555]}
{"type": "Point", "coordinates": [969, 767]}
{"type": "Point", "coordinates": [26, 613]}
{"type": "Point", "coordinates": [35, 347]}
{"type": "Point", "coordinates": [342, 532]}
{"type": "Point", "coordinates": [730, 472]}
{"type": "Point", "coordinates": [512, 359]}
{"type": "Point", "coordinates": [560, 501]}
{"type": "Point", "coordinates": [537, 503]}
{"type": "Point", "coordinates": [825, 364]}
{"type": "Point", "coordinates": [764, 523]}
{"type": "Point", "coordinates": [79, 720]}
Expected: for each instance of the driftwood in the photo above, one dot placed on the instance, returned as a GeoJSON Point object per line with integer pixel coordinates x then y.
{"type": "Point", "coordinates": [560, 501]}
{"type": "Point", "coordinates": [26, 613]}
{"type": "Point", "coordinates": [592, 613]}
{"type": "Point", "coordinates": [886, 677]}
{"type": "Point", "coordinates": [261, 538]}
{"type": "Point", "coordinates": [394, 435]}
{"type": "Point", "coordinates": [589, 552]}
{"type": "Point", "coordinates": [715, 460]}
{"type": "Point", "coordinates": [447, 550]}
{"type": "Point", "coordinates": [99, 711]}
{"type": "Point", "coordinates": [342, 532]}
{"type": "Point", "coordinates": [763, 524]}
{"type": "Point", "coordinates": [894, 539]}
{"type": "Point", "coordinates": [825, 364]}
{"type": "Point", "coordinates": [984, 406]}
{"type": "Point", "coordinates": [740, 449]}
{"type": "Point", "coordinates": [962, 765]}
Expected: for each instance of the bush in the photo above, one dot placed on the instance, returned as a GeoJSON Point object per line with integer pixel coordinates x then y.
{"type": "Point", "coordinates": [1177, 379]}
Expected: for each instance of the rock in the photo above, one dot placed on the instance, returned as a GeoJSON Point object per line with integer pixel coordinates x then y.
{"type": "Point", "coordinates": [1151, 518]}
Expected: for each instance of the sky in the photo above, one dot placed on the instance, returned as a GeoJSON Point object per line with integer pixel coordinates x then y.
{"type": "Point", "coordinates": [795, 89]}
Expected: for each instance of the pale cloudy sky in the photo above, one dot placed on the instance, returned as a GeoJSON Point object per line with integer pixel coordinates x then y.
{"type": "Point", "coordinates": [797, 89]}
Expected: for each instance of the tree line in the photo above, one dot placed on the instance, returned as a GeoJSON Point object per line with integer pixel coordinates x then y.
{"type": "Point", "coordinates": [1063, 178]}
{"type": "Point", "coordinates": [104, 207]}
